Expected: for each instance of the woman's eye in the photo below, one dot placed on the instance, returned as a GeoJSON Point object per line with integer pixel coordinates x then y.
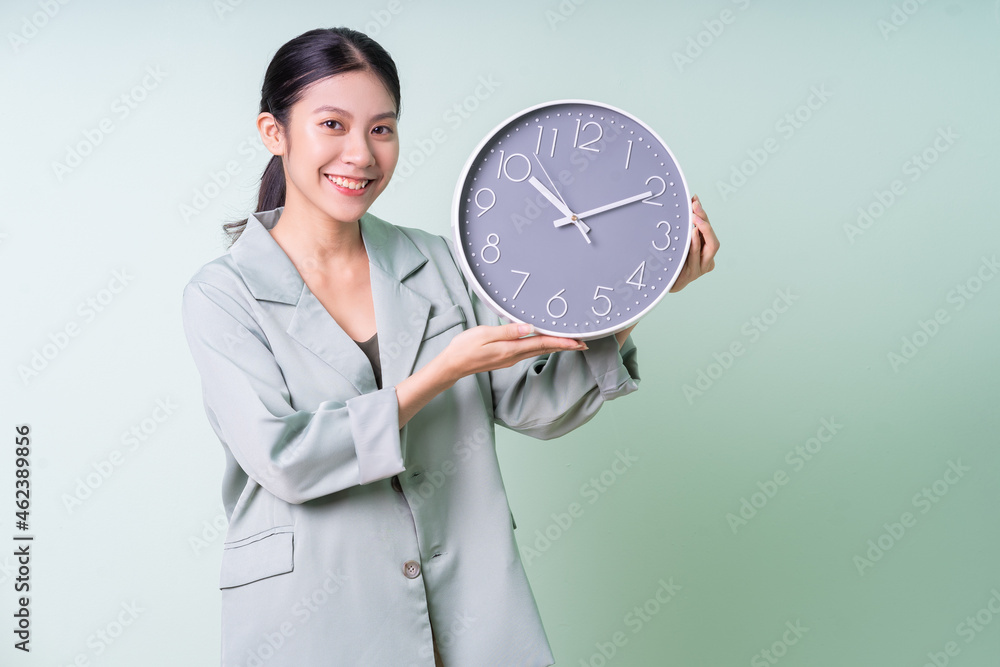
{"type": "Point", "coordinates": [382, 129]}
{"type": "Point", "coordinates": [327, 123]}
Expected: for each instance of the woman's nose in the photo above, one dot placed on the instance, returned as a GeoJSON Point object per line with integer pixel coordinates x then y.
{"type": "Point", "coordinates": [357, 151]}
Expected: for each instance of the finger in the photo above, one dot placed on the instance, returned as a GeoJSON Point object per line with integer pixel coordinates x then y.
{"type": "Point", "coordinates": [513, 331]}
{"type": "Point", "coordinates": [542, 343]}
{"type": "Point", "coordinates": [710, 246]}
{"type": "Point", "coordinates": [694, 254]}
{"type": "Point", "coordinates": [536, 350]}
{"type": "Point", "coordinates": [698, 210]}
{"type": "Point", "coordinates": [710, 242]}
{"type": "Point", "coordinates": [523, 337]}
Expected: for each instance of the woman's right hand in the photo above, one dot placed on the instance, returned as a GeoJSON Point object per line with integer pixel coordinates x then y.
{"type": "Point", "coordinates": [486, 348]}
{"type": "Point", "coordinates": [481, 348]}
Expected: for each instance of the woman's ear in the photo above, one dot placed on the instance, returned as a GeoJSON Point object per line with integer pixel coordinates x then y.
{"type": "Point", "coordinates": [270, 133]}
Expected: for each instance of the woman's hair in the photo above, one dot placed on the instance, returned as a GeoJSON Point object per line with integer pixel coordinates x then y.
{"type": "Point", "coordinates": [300, 62]}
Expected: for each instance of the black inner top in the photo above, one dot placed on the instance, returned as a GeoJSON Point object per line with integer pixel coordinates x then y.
{"type": "Point", "coordinates": [370, 348]}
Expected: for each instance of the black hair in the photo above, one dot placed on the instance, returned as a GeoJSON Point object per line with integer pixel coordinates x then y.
{"type": "Point", "coordinates": [300, 62]}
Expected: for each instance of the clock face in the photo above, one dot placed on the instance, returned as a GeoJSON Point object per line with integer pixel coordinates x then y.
{"type": "Point", "coordinates": [572, 216]}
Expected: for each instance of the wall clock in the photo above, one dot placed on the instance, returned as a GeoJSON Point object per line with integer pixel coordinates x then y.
{"type": "Point", "coordinates": [572, 216]}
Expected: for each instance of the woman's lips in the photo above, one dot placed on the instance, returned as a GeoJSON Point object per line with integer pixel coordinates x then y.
{"type": "Point", "coordinates": [349, 186]}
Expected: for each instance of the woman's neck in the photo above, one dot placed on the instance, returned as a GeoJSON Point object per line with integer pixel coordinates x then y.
{"type": "Point", "coordinates": [314, 241]}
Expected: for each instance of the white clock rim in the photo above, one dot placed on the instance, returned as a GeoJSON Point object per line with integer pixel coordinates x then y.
{"type": "Point", "coordinates": [484, 295]}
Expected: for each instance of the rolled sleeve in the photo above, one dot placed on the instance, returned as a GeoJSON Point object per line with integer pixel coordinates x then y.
{"type": "Point", "coordinates": [374, 421]}
{"type": "Point", "coordinates": [295, 454]}
{"type": "Point", "coordinates": [615, 370]}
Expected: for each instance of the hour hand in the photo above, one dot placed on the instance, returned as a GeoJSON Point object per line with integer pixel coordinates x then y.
{"type": "Point", "coordinates": [571, 217]}
{"type": "Point", "coordinates": [601, 209]}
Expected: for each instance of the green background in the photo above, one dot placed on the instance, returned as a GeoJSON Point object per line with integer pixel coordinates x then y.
{"type": "Point", "coordinates": [894, 77]}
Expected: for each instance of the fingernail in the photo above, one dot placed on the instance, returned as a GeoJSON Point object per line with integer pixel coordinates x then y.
{"type": "Point", "coordinates": [525, 329]}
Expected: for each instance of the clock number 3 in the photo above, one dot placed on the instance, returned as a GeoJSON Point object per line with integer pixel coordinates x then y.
{"type": "Point", "coordinates": [491, 244]}
{"type": "Point", "coordinates": [598, 295]}
{"type": "Point", "coordinates": [663, 222]}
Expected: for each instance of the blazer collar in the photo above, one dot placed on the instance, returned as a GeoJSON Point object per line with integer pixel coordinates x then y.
{"type": "Point", "coordinates": [271, 276]}
{"type": "Point", "coordinates": [401, 314]}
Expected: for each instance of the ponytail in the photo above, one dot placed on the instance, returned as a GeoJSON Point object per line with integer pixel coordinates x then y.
{"type": "Point", "coordinates": [271, 195]}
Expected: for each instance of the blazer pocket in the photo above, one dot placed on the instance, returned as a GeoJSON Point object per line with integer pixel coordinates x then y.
{"type": "Point", "coordinates": [448, 318]}
{"type": "Point", "coordinates": [257, 557]}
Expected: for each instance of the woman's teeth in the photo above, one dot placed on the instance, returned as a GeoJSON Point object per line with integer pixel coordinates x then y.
{"type": "Point", "coordinates": [348, 183]}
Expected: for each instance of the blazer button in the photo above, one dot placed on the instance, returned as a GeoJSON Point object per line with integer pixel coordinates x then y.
{"type": "Point", "coordinates": [395, 483]}
{"type": "Point", "coordinates": [411, 569]}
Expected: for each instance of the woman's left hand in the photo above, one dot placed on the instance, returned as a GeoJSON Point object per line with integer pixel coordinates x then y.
{"type": "Point", "coordinates": [704, 245]}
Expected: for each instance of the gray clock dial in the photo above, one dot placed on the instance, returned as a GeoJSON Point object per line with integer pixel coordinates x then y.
{"type": "Point", "coordinates": [572, 216]}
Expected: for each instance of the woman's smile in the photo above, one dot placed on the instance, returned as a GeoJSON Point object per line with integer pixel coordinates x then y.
{"type": "Point", "coordinates": [352, 187]}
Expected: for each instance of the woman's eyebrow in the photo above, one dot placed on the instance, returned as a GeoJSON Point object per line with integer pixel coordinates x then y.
{"type": "Point", "coordinates": [349, 115]}
{"type": "Point", "coordinates": [338, 110]}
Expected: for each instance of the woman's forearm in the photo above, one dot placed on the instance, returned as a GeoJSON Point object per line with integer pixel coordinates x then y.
{"type": "Point", "coordinates": [622, 335]}
{"type": "Point", "coordinates": [417, 390]}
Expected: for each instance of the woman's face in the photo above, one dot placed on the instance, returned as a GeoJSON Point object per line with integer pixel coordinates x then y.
{"type": "Point", "coordinates": [343, 145]}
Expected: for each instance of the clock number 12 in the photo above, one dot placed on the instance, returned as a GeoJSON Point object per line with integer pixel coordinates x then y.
{"type": "Point", "coordinates": [583, 128]}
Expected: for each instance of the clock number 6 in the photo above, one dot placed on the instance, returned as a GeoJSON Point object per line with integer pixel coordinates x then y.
{"type": "Point", "coordinates": [663, 222]}
{"type": "Point", "coordinates": [598, 295]}
{"type": "Point", "coordinates": [548, 305]}
{"type": "Point", "coordinates": [490, 244]}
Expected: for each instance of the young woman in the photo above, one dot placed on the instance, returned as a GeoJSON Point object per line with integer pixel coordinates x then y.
{"type": "Point", "coordinates": [354, 380]}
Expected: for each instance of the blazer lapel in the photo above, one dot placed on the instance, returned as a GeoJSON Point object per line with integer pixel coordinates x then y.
{"type": "Point", "coordinates": [400, 313]}
{"type": "Point", "coordinates": [312, 326]}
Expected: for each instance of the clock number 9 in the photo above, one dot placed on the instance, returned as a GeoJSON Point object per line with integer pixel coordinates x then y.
{"type": "Point", "coordinates": [598, 295]}
{"type": "Point", "coordinates": [490, 244]}
{"type": "Point", "coordinates": [548, 305]}
{"type": "Point", "coordinates": [663, 222]}
{"type": "Point", "coordinates": [502, 168]}
{"type": "Point", "coordinates": [481, 206]}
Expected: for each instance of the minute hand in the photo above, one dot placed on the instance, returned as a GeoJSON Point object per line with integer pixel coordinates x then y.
{"type": "Point", "coordinates": [601, 209]}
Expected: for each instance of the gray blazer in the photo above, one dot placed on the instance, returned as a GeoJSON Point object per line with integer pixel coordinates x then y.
{"type": "Point", "coordinates": [349, 538]}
